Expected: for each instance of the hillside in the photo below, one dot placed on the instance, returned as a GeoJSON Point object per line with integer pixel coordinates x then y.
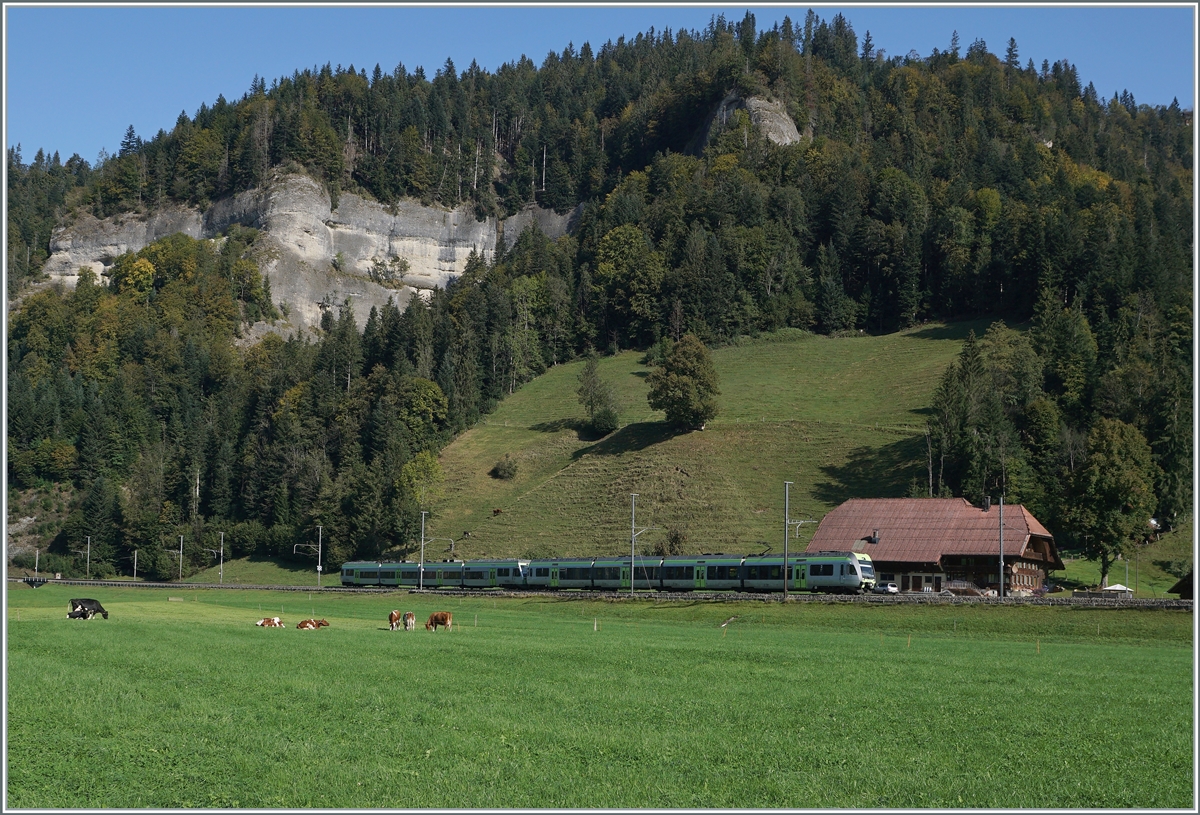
{"type": "Point", "coordinates": [840, 417]}
{"type": "Point", "coordinates": [146, 404]}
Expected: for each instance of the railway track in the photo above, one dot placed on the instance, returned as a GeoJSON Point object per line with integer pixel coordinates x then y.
{"type": "Point", "coordinates": [692, 596]}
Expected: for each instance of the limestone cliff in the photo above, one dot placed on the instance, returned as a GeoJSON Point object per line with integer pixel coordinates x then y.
{"type": "Point", "coordinates": [301, 238]}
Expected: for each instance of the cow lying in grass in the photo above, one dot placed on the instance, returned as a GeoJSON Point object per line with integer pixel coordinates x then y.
{"type": "Point", "coordinates": [270, 622]}
{"type": "Point", "coordinates": [440, 618]}
{"type": "Point", "coordinates": [311, 625]}
{"type": "Point", "coordinates": [85, 609]}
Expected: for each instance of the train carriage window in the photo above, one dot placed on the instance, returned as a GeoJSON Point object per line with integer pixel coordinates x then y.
{"type": "Point", "coordinates": [502, 572]}
{"type": "Point", "coordinates": [541, 572]}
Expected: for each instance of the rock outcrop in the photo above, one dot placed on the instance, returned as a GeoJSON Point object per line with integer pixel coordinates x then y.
{"type": "Point", "coordinates": [770, 117]}
{"type": "Point", "coordinates": [302, 239]}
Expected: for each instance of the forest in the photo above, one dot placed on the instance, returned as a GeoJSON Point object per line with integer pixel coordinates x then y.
{"type": "Point", "coordinates": [962, 184]}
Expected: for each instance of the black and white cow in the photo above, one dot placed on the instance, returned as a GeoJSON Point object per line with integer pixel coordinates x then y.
{"type": "Point", "coordinates": [86, 609]}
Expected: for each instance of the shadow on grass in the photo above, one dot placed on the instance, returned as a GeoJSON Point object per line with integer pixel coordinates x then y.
{"type": "Point", "coordinates": [875, 472]}
{"type": "Point", "coordinates": [630, 438]}
{"type": "Point", "coordinates": [583, 431]}
{"type": "Point", "coordinates": [953, 331]}
{"type": "Point", "coordinates": [295, 566]}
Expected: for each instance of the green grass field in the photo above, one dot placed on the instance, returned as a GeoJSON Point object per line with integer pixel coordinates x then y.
{"type": "Point", "coordinates": [571, 703]}
{"type": "Point", "coordinates": [840, 418]}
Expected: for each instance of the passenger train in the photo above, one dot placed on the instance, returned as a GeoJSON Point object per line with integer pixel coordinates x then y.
{"type": "Point", "coordinates": [831, 572]}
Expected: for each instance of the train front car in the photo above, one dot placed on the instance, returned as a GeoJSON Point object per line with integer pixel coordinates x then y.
{"type": "Point", "coordinates": [839, 572]}
{"type": "Point", "coordinates": [866, 568]}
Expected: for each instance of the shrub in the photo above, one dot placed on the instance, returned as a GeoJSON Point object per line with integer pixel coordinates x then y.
{"type": "Point", "coordinates": [505, 468]}
{"type": "Point", "coordinates": [604, 421]}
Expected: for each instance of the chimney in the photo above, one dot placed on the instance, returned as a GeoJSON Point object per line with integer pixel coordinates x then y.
{"type": "Point", "coordinates": [987, 503]}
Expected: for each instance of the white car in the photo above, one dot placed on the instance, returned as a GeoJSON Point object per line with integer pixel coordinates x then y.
{"type": "Point", "coordinates": [886, 588]}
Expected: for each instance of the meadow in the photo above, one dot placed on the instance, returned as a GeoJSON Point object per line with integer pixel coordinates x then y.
{"type": "Point", "coordinates": [840, 417]}
{"type": "Point", "coordinates": [551, 702]}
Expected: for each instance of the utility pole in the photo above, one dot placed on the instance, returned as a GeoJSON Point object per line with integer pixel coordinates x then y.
{"type": "Point", "coordinates": [1001, 546]}
{"type": "Point", "coordinates": [181, 557]}
{"type": "Point", "coordinates": [312, 548]}
{"type": "Point", "coordinates": [421, 572]}
{"type": "Point", "coordinates": [633, 533]}
{"type": "Point", "coordinates": [36, 557]}
{"type": "Point", "coordinates": [788, 523]}
{"type": "Point", "coordinates": [787, 519]}
{"type": "Point", "coordinates": [88, 552]}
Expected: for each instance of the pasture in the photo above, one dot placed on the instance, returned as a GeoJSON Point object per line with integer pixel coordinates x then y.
{"type": "Point", "coordinates": [841, 418]}
{"type": "Point", "coordinates": [570, 703]}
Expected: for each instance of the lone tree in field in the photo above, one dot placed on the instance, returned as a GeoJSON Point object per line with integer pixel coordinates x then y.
{"type": "Point", "coordinates": [685, 387]}
{"type": "Point", "coordinates": [597, 397]}
{"type": "Point", "coordinates": [1115, 492]}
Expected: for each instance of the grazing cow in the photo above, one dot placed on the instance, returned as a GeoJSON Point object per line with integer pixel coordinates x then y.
{"type": "Point", "coordinates": [311, 625]}
{"type": "Point", "coordinates": [440, 618]}
{"type": "Point", "coordinates": [90, 608]}
{"type": "Point", "coordinates": [410, 621]}
{"type": "Point", "coordinates": [270, 622]}
{"type": "Point", "coordinates": [496, 512]}
{"type": "Point", "coordinates": [394, 620]}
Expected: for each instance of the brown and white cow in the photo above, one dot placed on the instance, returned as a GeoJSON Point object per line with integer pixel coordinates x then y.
{"type": "Point", "coordinates": [270, 622]}
{"type": "Point", "coordinates": [410, 621]}
{"type": "Point", "coordinates": [311, 625]}
{"type": "Point", "coordinates": [440, 618]}
{"type": "Point", "coordinates": [394, 620]}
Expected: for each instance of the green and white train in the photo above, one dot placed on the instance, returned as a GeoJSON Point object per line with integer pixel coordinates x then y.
{"type": "Point", "coordinates": [829, 572]}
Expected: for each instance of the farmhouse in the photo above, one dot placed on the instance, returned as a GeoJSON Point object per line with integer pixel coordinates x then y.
{"type": "Point", "coordinates": [927, 544]}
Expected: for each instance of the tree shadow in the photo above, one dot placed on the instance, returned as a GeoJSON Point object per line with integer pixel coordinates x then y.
{"type": "Point", "coordinates": [295, 566]}
{"type": "Point", "coordinates": [559, 425]}
{"type": "Point", "coordinates": [583, 431]}
{"type": "Point", "coordinates": [875, 472]}
{"type": "Point", "coordinates": [960, 330]}
{"type": "Point", "coordinates": [630, 438]}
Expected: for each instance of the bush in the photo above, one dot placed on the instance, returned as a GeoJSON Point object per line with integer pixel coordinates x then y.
{"type": "Point", "coordinates": [505, 468]}
{"type": "Point", "coordinates": [605, 421]}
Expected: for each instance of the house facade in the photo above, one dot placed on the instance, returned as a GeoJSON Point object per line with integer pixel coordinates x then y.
{"type": "Point", "coordinates": [928, 544]}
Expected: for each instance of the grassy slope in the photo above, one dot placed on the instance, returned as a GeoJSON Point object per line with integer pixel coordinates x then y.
{"type": "Point", "coordinates": [840, 418]}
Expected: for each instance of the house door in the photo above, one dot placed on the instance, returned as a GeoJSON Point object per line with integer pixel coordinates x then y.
{"type": "Point", "coordinates": [903, 582]}
{"type": "Point", "coordinates": [937, 582]}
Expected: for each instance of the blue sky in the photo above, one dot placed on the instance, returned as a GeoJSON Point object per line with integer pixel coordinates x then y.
{"type": "Point", "coordinates": [77, 76]}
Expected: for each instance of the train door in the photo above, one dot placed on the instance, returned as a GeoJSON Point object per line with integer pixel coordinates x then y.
{"type": "Point", "coordinates": [700, 583]}
{"type": "Point", "coordinates": [492, 574]}
{"type": "Point", "coordinates": [554, 577]}
{"type": "Point", "coordinates": [625, 583]}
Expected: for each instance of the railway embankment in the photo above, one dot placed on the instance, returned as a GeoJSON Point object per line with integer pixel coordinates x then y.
{"type": "Point", "coordinates": [911, 598]}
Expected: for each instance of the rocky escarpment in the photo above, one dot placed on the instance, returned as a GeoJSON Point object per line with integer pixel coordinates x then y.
{"type": "Point", "coordinates": [313, 255]}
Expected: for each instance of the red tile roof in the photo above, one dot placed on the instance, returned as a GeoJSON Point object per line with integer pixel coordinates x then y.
{"type": "Point", "coordinates": [921, 530]}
